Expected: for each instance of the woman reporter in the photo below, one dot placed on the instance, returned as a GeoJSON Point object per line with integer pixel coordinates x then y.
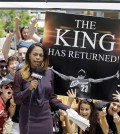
{"type": "Point", "coordinates": [35, 96]}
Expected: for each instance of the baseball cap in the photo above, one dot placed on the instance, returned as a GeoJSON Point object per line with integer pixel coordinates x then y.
{"type": "Point", "coordinates": [5, 81]}
{"type": "Point", "coordinates": [100, 104]}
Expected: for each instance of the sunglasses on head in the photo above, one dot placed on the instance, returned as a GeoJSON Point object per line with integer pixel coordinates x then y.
{"type": "Point", "coordinates": [24, 27]}
{"type": "Point", "coordinates": [8, 86]}
{"type": "Point", "coordinates": [87, 100]}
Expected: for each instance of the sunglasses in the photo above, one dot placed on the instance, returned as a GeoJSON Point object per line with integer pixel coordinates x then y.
{"type": "Point", "coordinates": [3, 66]}
{"type": "Point", "coordinates": [87, 100]}
{"type": "Point", "coordinates": [8, 86]}
{"type": "Point", "coordinates": [24, 27]}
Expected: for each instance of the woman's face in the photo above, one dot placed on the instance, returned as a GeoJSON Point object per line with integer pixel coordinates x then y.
{"type": "Point", "coordinates": [114, 108]}
{"type": "Point", "coordinates": [7, 91]}
{"type": "Point", "coordinates": [25, 33]}
{"type": "Point", "coordinates": [85, 110]}
{"type": "Point", "coordinates": [36, 57]}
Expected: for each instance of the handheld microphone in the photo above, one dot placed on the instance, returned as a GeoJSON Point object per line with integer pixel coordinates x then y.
{"type": "Point", "coordinates": [36, 76]}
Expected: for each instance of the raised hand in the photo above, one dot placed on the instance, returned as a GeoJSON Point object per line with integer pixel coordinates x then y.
{"type": "Point", "coordinates": [33, 84]}
{"type": "Point", "coordinates": [17, 19]}
{"type": "Point", "coordinates": [71, 96]}
{"type": "Point", "coordinates": [12, 101]}
{"type": "Point", "coordinates": [102, 113]}
{"type": "Point", "coordinates": [116, 118]}
{"type": "Point", "coordinates": [34, 20]}
{"type": "Point", "coordinates": [116, 96]}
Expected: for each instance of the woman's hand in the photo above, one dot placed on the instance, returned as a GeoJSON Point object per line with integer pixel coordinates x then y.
{"type": "Point", "coordinates": [71, 96]}
{"type": "Point", "coordinates": [33, 84]}
{"type": "Point", "coordinates": [34, 20]}
{"type": "Point", "coordinates": [12, 102]}
{"type": "Point", "coordinates": [116, 96]}
{"type": "Point", "coordinates": [102, 113]}
{"type": "Point", "coordinates": [116, 118]}
{"type": "Point", "coordinates": [9, 35]}
{"type": "Point", "coordinates": [17, 19]}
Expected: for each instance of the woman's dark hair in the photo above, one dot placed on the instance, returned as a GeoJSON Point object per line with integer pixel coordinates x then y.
{"type": "Point", "coordinates": [93, 115]}
{"type": "Point", "coordinates": [45, 60]}
{"type": "Point", "coordinates": [21, 29]}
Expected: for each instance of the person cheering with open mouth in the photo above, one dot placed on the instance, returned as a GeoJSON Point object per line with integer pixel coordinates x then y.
{"type": "Point", "coordinates": [6, 101]}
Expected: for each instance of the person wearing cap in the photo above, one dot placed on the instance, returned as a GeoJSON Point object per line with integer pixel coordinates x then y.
{"type": "Point", "coordinates": [7, 105]}
{"type": "Point", "coordinates": [12, 63]}
{"type": "Point", "coordinates": [112, 116]}
{"type": "Point", "coordinates": [82, 84]}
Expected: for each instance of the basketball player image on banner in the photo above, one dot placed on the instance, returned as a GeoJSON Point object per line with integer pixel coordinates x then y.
{"type": "Point", "coordinates": [81, 83]}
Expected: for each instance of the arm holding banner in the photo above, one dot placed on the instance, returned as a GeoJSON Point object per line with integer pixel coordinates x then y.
{"type": "Point", "coordinates": [103, 79]}
{"type": "Point", "coordinates": [72, 119]}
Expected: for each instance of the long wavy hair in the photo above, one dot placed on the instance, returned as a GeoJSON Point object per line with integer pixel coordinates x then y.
{"type": "Point", "coordinates": [93, 115]}
{"type": "Point", "coordinates": [25, 70]}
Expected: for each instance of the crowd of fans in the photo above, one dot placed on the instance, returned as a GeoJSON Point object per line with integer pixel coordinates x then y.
{"type": "Point", "coordinates": [104, 117]}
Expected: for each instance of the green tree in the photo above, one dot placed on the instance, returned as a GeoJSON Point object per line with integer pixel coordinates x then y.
{"type": "Point", "coordinates": [2, 33]}
{"type": "Point", "coordinates": [8, 17]}
{"type": "Point", "coordinates": [24, 17]}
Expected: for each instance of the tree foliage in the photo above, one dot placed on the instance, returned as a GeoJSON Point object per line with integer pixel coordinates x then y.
{"type": "Point", "coordinates": [7, 21]}
{"type": "Point", "coordinates": [2, 33]}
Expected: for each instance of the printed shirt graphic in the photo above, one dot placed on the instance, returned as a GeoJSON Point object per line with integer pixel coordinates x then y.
{"type": "Point", "coordinates": [82, 86]}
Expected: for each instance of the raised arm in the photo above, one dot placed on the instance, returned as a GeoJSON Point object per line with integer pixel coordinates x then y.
{"type": "Point", "coordinates": [71, 96]}
{"type": "Point", "coordinates": [6, 46]}
{"type": "Point", "coordinates": [64, 77]}
{"type": "Point", "coordinates": [18, 35]}
{"type": "Point", "coordinates": [31, 32]}
{"type": "Point", "coordinates": [70, 126]}
{"type": "Point", "coordinates": [103, 122]}
{"type": "Point", "coordinates": [116, 96]}
{"type": "Point", "coordinates": [103, 79]}
{"type": "Point", "coordinates": [116, 119]}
